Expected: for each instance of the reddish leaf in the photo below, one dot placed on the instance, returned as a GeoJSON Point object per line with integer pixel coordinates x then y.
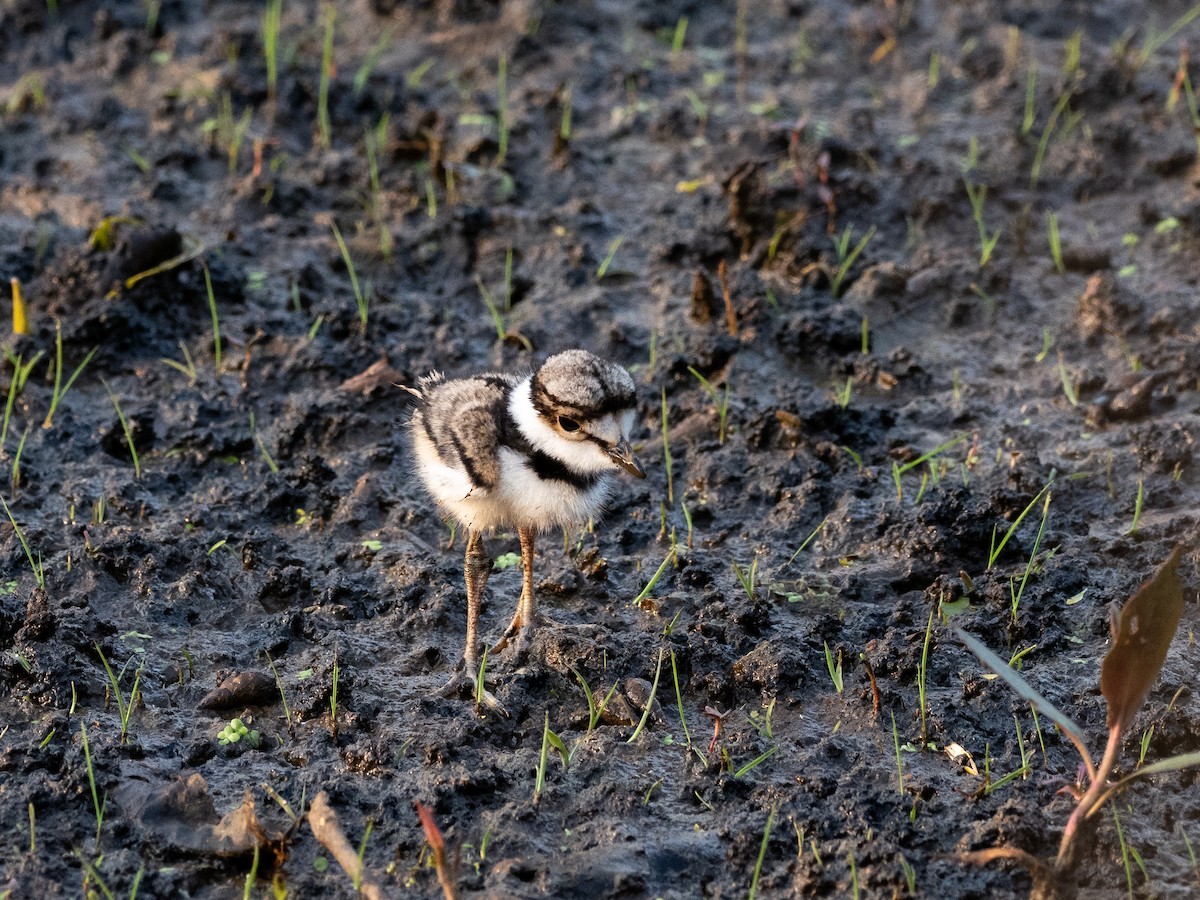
{"type": "Point", "coordinates": [1142, 632]}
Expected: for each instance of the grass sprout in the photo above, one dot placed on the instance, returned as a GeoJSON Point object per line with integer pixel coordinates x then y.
{"type": "Point", "coordinates": [128, 432]}
{"type": "Point", "coordinates": [847, 255]}
{"type": "Point", "coordinates": [60, 390]}
{"type": "Point", "coordinates": [361, 298]}
{"type": "Point", "coordinates": [125, 706]}
{"type": "Point", "coordinates": [39, 571]}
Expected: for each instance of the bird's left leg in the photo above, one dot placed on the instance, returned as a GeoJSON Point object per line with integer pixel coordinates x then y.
{"type": "Point", "coordinates": [477, 565]}
{"type": "Point", "coordinates": [521, 627]}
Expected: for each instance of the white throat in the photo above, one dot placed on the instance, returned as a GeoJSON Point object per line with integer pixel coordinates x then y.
{"type": "Point", "coordinates": [583, 457]}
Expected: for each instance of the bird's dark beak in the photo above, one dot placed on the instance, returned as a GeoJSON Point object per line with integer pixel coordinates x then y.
{"type": "Point", "coordinates": [622, 455]}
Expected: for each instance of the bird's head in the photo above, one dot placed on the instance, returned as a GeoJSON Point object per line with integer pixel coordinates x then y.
{"type": "Point", "coordinates": [590, 404]}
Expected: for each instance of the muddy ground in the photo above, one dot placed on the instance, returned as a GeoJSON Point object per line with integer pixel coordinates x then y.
{"type": "Point", "coordinates": [593, 168]}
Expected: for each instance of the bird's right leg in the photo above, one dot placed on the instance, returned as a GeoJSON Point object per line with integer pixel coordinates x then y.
{"type": "Point", "coordinates": [477, 566]}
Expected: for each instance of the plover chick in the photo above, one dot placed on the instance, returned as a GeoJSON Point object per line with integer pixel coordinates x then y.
{"type": "Point", "coordinates": [536, 452]}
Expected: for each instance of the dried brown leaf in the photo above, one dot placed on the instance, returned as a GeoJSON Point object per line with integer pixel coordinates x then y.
{"type": "Point", "coordinates": [1142, 632]}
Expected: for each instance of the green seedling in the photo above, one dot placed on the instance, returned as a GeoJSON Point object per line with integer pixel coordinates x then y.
{"type": "Point", "coordinates": [987, 241]}
{"type": "Point", "coordinates": [251, 876]}
{"type": "Point", "coordinates": [235, 730]}
{"type": "Point", "coordinates": [1015, 595]}
{"type": "Point", "coordinates": [899, 758]}
{"type": "Point", "coordinates": [371, 62]}
{"type": "Point", "coordinates": [212, 311]}
{"type": "Point", "coordinates": [1069, 389]}
{"type": "Point", "coordinates": [667, 459]}
{"type": "Point", "coordinates": [608, 258]}
{"type": "Point", "coordinates": [1055, 243]}
{"type": "Point", "coordinates": [1137, 507]}
{"type": "Point", "coordinates": [649, 701]}
{"type": "Point", "coordinates": [187, 368]}
{"type": "Point", "coordinates": [502, 123]}
{"type": "Point", "coordinates": [667, 560]}
{"type": "Point", "coordinates": [687, 735]}
{"type": "Point", "coordinates": [27, 95]}
{"type": "Point", "coordinates": [1142, 634]}
{"type": "Point", "coordinates": [125, 706]}
{"type": "Point", "coordinates": [539, 781]}
{"type": "Point", "coordinates": [846, 256]}
{"type": "Point", "coordinates": [60, 390]}
{"type": "Point", "coordinates": [481, 680]}
{"type": "Point", "coordinates": [835, 668]}
{"type": "Point", "coordinates": [324, 128]}
{"type": "Point", "coordinates": [287, 713]}
{"type": "Point", "coordinates": [373, 138]}
{"type": "Point", "coordinates": [128, 432]}
{"type": "Point", "coordinates": [923, 682]}
{"type": "Point", "coordinates": [754, 763]}
{"type": "Point", "coordinates": [762, 854]}
{"type": "Point", "coordinates": [995, 550]}
{"type": "Point", "coordinates": [357, 875]}
{"type": "Point", "coordinates": [271, 23]}
{"type": "Point", "coordinates": [362, 298]}
{"type": "Point", "coordinates": [898, 470]}
{"type": "Point", "coordinates": [1030, 98]}
{"type": "Point", "coordinates": [503, 332]}
{"type": "Point", "coordinates": [1156, 40]}
{"type": "Point", "coordinates": [39, 571]}
{"type": "Point", "coordinates": [262, 447]}
{"type": "Point", "coordinates": [15, 479]}
{"type": "Point", "coordinates": [595, 710]}
{"type": "Point", "coordinates": [844, 393]}
{"type": "Point", "coordinates": [1035, 170]}
{"type": "Point", "coordinates": [333, 697]}
{"type": "Point", "coordinates": [746, 577]}
{"type": "Point", "coordinates": [98, 805]}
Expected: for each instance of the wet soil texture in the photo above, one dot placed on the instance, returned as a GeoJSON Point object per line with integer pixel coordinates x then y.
{"type": "Point", "coordinates": [889, 275]}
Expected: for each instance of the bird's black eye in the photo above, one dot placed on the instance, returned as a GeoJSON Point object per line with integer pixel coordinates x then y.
{"type": "Point", "coordinates": [566, 423]}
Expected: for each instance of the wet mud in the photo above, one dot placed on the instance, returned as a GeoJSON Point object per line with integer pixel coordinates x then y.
{"type": "Point", "coordinates": [883, 272]}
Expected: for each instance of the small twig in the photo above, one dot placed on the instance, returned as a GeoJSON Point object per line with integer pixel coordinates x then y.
{"type": "Point", "coordinates": [437, 846]}
{"type": "Point", "coordinates": [324, 824]}
{"type": "Point", "coordinates": [730, 315]}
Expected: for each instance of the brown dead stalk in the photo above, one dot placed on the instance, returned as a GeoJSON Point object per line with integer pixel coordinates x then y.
{"type": "Point", "coordinates": [325, 828]}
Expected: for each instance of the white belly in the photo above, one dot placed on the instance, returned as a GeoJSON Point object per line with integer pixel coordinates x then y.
{"type": "Point", "coordinates": [521, 498]}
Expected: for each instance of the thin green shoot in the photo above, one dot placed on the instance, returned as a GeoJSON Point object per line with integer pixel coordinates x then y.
{"type": "Point", "coordinates": [539, 781]}
{"type": "Point", "coordinates": [99, 806]}
{"type": "Point", "coordinates": [508, 275]}
{"type": "Point", "coordinates": [720, 402]}
{"type": "Point", "coordinates": [997, 548]}
{"type": "Point", "coordinates": [835, 668]}
{"type": "Point", "coordinates": [754, 763]}
{"type": "Point", "coordinates": [853, 874]}
{"type": "Point", "coordinates": [687, 735]}
{"type": "Point", "coordinates": [216, 322]}
{"type": "Point", "coordinates": [910, 876]}
{"type": "Point", "coordinates": [1030, 98]}
{"type": "Point", "coordinates": [60, 390]}
{"type": "Point", "coordinates": [287, 712]}
{"type": "Point", "coordinates": [977, 194]}
{"type": "Point", "coordinates": [125, 706]}
{"type": "Point", "coordinates": [687, 518]}
{"type": "Point", "coordinates": [866, 336]}
{"type": "Point", "coordinates": [262, 447]}
{"type": "Point", "coordinates": [417, 74]}
{"type": "Point", "coordinates": [746, 577]}
{"type": "Point", "coordinates": [1155, 39]}
{"type": "Point", "coordinates": [39, 572]}
{"type": "Point", "coordinates": [252, 877]}
{"type": "Point", "coordinates": [762, 854]}
{"type": "Point", "coordinates": [494, 310]}
{"type": "Point", "coordinates": [20, 375]}
{"type": "Point", "coordinates": [668, 461]}
{"type": "Point", "coordinates": [271, 24]}
{"type": "Point", "coordinates": [92, 875]}
{"type": "Point", "coordinates": [845, 392]}
{"type": "Point", "coordinates": [32, 831]}
{"type": "Point", "coordinates": [1069, 389]}
{"type": "Point", "coordinates": [1125, 857]}
{"type": "Point", "coordinates": [1035, 171]}
{"type": "Point", "coordinates": [361, 298]}
{"type": "Point", "coordinates": [1055, 243]}
{"type": "Point", "coordinates": [1144, 748]}
{"type": "Point", "coordinates": [564, 123]}
{"type": "Point", "coordinates": [899, 758]}
{"type": "Point", "coordinates": [372, 139]}
{"type": "Point", "coordinates": [481, 682]}
{"type": "Point", "coordinates": [1187, 843]}
{"type": "Point", "coordinates": [1137, 506]}
{"type": "Point", "coordinates": [333, 695]}
{"type": "Point", "coordinates": [1047, 343]}
{"type": "Point", "coordinates": [324, 129]}
{"type": "Point", "coordinates": [612, 252]}
{"type": "Point", "coordinates": [679, 35]}
{"type": "Point", "coordinates": [667, 560]}
{"type": "Point", "coordinates": [847, 256]}
{"type": "Point", "coordinates": [128, 432]}
{"type": "Point", "coordinates": [371, 61]}
{"type": "Point", "coordinates": [649, 701]}
{"type": "Point", "coordinates": [16, 463]}
{"type": "Point", "coordinates": [899, 470]}
{"type": "Point", "coordinates": [595, 710]}
{"type": "Point", "coordinates": [362, 851]}
{"type": "Point", "coordinates": [187, 368]}
{"type": "Point", "coordinates": [808, 540]}
{"type": "Point", "coordinates": [923, 681]}
{"type": "Point", "coordinates": [1037, 543]}
{"type": "Point", "coordinates": [502, 123]}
